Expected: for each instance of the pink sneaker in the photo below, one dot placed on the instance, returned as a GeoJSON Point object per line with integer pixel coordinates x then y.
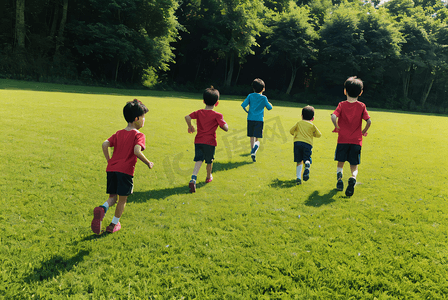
{"type": "Point", "coordinates": [112, 229]}
{"type": "Point", "coordinates": [207, 180]}
{"type": "Point", "coordinates": [98, 215]}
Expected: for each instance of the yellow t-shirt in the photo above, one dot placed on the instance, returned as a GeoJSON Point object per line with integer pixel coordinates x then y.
{"type": "Point", "coordinates": [304, 131]}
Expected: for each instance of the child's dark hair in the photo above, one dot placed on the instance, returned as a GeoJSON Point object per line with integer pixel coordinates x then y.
{"type": "Point", "coordinates": [308, 113]}
{"type": "Point", "coordinates": [211, 96]}
{"type": "Point", "coordinates": [258, 85]}
{"type": "Point", "coordinates": [353, 86]}
{"type": "Point", "coordinates": [134, 109]}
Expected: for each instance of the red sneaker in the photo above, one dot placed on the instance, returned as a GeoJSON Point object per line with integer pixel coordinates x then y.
{"type": "Point", "coordinates": [98, 215]}
{"type": "Point", "coordinates": [207, 180]}
{"type": "Point", "coordinates": [192, 186]}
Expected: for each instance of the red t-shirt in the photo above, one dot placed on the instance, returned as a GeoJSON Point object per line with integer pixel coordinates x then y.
{"type": "Point", "coordinates": [207, 122]}
{"type": "Point", "coordinates": [350, 116]}
{"type": "Point", "coordinates": [123, 159]}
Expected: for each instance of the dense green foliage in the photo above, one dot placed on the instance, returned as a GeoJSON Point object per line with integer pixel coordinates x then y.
{"type": "Point", "coordinates": [249, 234]}
{"type": "Point", "coordinates": [302, 49]}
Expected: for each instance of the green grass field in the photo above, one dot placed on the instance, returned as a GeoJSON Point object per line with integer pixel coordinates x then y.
{"type": "Point", "coordinates": [250, 234]}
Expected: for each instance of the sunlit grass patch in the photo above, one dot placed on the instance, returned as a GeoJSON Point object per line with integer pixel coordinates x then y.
{"type": "Point", "coordinates": [251, 233]}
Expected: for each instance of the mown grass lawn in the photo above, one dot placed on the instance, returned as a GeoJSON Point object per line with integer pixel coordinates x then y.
{"type": "Point", "coordinates": [250, 234]}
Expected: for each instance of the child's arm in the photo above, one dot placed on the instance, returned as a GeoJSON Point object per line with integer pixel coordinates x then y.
{"type": "Point", "coordinates": [293, 129]}
{"type": "Point", "coordinates": [138, 152]}
{"type": "Point", "coordinates": [225, 127]}
{"type": "Point", "coordinates": [317, 132]}
{"type": "Point", "coordinates": [190, 127]}
{"type": "Point", "coordinates": [245, 103]}
{"type": "Point", "coordinates": [106, 146]}
{"type": "Point", "coordinates": [368, 123]}
{"type": "Point", "coordinates": [334, 119]}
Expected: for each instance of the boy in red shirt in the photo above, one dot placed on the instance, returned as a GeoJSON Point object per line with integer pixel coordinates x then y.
{"type": "Point", "coordinates": [128, 145]}
{"type": "Point", "coordinates": [347, 119]}
{"type": "Point", "coordinates": [208, 121]}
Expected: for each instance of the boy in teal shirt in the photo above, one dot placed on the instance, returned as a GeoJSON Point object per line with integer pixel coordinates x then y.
{"type": "Point", "coordinates": [255, 115]}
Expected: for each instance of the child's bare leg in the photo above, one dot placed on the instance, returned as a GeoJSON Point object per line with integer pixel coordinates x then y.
{"type": "Point", "coordinates": [114, 225]}
{"type": "Point", "coordinates": [209, 170]}
{"type": "Point", "coordinates": [120, 206]}
{"type": "Point", "coordinates": [112, 200]}
{"type": "Point", "coordinates": [340, 169]}
{"type": "Point", "coordinates": [197, 166]}
{"type": "Point", "coordinates": [194, 176]}
{"type": "Point", "coordinates": [252, 142]}
{"type": "Point", "coordinates": [354, 170]}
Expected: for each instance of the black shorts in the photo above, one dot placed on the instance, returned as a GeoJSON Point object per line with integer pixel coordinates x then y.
{"type": "Point", "coordinates": [348, 152]}
{"type": "Point", "coordinates": [255, 128]}
{"type": "Point", "coordinates": [302, 152]}
{"type": "Point", "coordinates": [119, 184]}
{"type": "Point", "coordinates": [204, 152]}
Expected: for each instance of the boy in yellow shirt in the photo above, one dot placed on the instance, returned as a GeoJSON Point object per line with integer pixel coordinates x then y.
{"type": "Point", "coordinates": [304, 131]}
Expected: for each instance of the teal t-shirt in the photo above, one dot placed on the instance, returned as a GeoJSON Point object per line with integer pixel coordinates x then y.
{"type": "Point", "coordinates": [256, 103]}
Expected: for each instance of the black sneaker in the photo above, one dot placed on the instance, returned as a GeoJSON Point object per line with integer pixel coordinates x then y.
{"type": "Point", "coordinates": [340, 184]}
{"type": "Point", "coordinates": [298, 181]}
{"type": "Point", "coordinates": [351, 187]}
{"type": "Point", "coordinates": [253, 157]}
{"type": "Point", "coordinates": [306, 173]}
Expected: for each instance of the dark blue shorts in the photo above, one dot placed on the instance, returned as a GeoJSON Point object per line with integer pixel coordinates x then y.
{"type": "Point", "coordinates": [302, 152]}
{"type": "Point", "coordinates": [119, 184]}
{"type": "Point", "coordinates": [204, 152]}
{"type": "Point", "coordinates": [255, 128]}
{"type": "Point", "coordinates": [348, 152]}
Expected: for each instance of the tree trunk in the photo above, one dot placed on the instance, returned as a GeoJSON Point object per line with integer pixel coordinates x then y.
{"type": "Point", "coordinates": [198, 68]}
{"type": "Point", "coordinates": [225, 70]}
{"type": "Point", "coordinates": [425, 94]}
{"type": "Point", "coordinates": [294, 70]}
{"type": "Point", "coordinates": [55, 21]}
{"type": "Point", "coordinates": [116, 70]}
{"type": "Point", "coordinates": [238, 74]}
{"type": "Point", "coordinates": [293, 78]}
{"type": "Point", "coordinates": [230, 73]}
{"type": "Point", "coordinates": [406, 77]}
{"type": "Point", "coordinates": [20, 25]}
{"type": "Point", "coordinates": [60, 37]}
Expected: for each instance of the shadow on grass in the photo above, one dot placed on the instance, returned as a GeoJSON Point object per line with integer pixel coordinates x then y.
{"type": "Point", "coordinates": [139, 197]}
{"type": "Point", "coordinates": [55, 266]}
{"type": "Point", "coordinates": [138, 91]}
{"type": "Point", "coordinates": [217, 166]}
{"type": "Point", "coordinates": [284, 184]}
{"type": "Point", "coordinates": [318, 200]}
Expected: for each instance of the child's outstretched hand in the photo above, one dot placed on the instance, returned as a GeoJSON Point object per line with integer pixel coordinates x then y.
{"type": "Point", "coordinates": [191, 129]}
{"type": "Point", "coordinates": [364, 134]}
{"type": "Point", "coordinates": [151, 164]}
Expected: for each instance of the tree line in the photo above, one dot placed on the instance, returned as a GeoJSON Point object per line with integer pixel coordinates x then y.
{"type": "Point", "coordinates": [304, 50]}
